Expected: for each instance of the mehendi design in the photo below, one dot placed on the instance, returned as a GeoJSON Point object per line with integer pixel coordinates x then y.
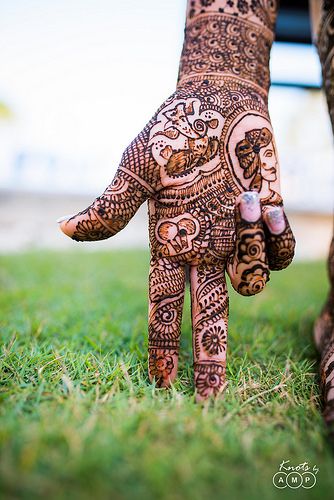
{"type": "Point", "coordinates": [209, 141]}
{"type": "Point", "coordinates": [324, 327]}
{"type": "Point", "coordinates": [185, 138]}
{"type": "Point", "coordinates": [217, 44]}
{"type": "Point", "coordinates": [262, 12]}
{"type": "Point", "coordinates": [209, 379]}
{"type": "Point", "coordinates": [166, 294]}
{"type": "Point", "coordinates": [256, 156]}
{"type": "Point", "coordinates": [280, 248]}
{"type": "Point", "coordinates": [214, 340]}
{"type": "Point", "coordinates": [250, 269]}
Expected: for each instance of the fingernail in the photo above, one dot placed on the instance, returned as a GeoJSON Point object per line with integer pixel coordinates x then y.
{"type": "Point", "coordinates": [249, 206]}
{"type": "Point", "coordinates": [65, 217]}
{"type": "Point", "coordinates": [275, 220]}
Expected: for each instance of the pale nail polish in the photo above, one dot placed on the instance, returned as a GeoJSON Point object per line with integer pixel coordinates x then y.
{"type": "Point", "coordinates": [250, 209]}
{"type": "Point", "coordinates": [275, 220]}
{"type": "Point", "coordinates": [65, 217]}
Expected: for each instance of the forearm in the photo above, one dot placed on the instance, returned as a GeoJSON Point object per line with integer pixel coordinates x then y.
{"type": "Point", "coordinates": [225, 37]}
{"type": "Point", "coordinates": [323, 34]}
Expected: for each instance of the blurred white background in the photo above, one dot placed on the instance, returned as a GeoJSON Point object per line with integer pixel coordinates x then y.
{"type": "Point", "coordinates": [80, 78]}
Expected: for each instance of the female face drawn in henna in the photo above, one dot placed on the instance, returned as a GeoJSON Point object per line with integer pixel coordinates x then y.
{"type": "Point", "coordinates": [257, 158]}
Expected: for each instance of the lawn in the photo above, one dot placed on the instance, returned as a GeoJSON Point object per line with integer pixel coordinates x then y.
{"type": "Point", "coordinates": [79, 418]}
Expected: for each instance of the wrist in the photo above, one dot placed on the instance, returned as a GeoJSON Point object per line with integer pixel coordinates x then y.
{"type": "Point", "coordinates": [221, 45]}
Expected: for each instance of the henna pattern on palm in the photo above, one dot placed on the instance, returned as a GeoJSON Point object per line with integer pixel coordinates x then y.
{"type": "Point", "coordinates": [207, 144]}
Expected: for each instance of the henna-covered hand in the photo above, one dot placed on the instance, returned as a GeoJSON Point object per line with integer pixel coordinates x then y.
{"type": "Point", "coordinates": [323, 31]}
{"type": "Point", "coordinates": [207, 163]}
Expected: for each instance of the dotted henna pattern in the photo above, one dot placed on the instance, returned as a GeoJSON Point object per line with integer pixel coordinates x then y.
{"type": "Point", "coordinates": [191, 162]}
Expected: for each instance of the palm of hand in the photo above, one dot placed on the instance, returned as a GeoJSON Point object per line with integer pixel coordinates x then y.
{"type": "Point", "coordinates": [209, 142]}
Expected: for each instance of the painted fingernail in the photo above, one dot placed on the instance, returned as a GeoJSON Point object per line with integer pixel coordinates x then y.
{"type": "Point", "coordinates": [250, 209]}
{"type": "Point", "coordinates": [65, 217]}
{"type": "Point", "coordinates": [275, 220]}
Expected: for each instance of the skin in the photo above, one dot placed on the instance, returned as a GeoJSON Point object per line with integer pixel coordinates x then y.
{"type": "Point", "coordinates": [212, 190]}
{"type": "Point", "coordinates": [323, 26]}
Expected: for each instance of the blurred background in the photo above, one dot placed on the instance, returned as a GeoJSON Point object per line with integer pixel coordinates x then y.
{"type": "Point", "coordinates": [79, 79]}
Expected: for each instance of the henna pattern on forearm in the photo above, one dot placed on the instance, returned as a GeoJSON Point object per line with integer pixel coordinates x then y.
{"type": "Point", "coordinates": [216, 44]}
{"type": "Point", "coordinates": [262, 12]}
{"type": "Point", "coordinates": [249, 266]}
{"type": "Point", "coordinates": [324, 327]}
{"type": "Point", "coordinates": [325, 45]}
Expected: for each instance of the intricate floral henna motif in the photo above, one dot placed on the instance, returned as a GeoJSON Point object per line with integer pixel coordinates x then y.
{"type": "Point", "coordinates": [204, 146]}
{"type": "Point", "coordinates": [251, 271]}
{"type": "Point", "coordinates": [280, 248]}
{"type": "Point", "coordinates": [217, 44]}
{"type": "Point", "coordinates": [209, 379]}
{"type": "Point", "coordinates": [262, 12]}
{"type": "Point", "coordinates": [167, 281]}
{"type": "Point", "coordinates": [214, 340]}
{"type": "Point", "coordinates": [161, 365]}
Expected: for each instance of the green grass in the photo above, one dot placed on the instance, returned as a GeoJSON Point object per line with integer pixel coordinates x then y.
{"type": "Point", "coordinates": [79, 419]}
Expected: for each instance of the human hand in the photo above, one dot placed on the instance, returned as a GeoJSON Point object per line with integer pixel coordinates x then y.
{"type": "Point", "coordinates": [207, 162]}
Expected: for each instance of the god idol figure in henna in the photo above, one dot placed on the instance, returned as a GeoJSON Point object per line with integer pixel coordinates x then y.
{"type": "Point", "coordinates": [207, 164]}
{"type": "Point", "coordinates": [323, 30]}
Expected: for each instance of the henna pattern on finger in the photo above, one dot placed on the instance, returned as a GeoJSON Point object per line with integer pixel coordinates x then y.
{"type": "Point", "coordinates": [280, 248]}
{"type": "Point", "coordinates": [166, 293]}
{"type": "Point", "coordinates": [214, 340]}
{"type": "Point", "coordinates": [248, 267]}
{"type": "Point", "coordinates": [209, 379]}
{"type": "Point", "coordinates": [209, 320]}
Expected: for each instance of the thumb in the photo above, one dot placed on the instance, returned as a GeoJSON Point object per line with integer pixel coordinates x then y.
{"type": "Point", "coordinates": [84, 226]}
{"type": "Point", "coordinates": [109, 213]}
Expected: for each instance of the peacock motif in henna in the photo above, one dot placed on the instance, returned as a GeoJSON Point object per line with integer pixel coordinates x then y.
{"type": "Point", "coordinates": [204, 162]}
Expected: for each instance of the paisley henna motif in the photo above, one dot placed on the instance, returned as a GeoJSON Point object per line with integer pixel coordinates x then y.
{"type": "Point", "coordinates": [250, 269]}
{"type": "Point", "coordinates": [216, 44]}
{"type": "Point", "coordinates": [209, 379]}
{"type": "Point", "coordinates": [204, 146]}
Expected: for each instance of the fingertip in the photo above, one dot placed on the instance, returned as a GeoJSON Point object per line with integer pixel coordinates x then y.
{"type": "Point", "coordinates": [249, 206]}
{"type": "Point", "coordinates": [64, 218]}
{"type": "Point", "coordinates": [275, 220]}
{"type": "Point", "coordinates": [66, 227]}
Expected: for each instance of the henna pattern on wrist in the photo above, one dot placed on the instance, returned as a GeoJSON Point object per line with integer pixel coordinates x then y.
{"type": "Point", "coordinates": [221, 44]}
{"type": "Point", "coordinates": [262, 12]}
